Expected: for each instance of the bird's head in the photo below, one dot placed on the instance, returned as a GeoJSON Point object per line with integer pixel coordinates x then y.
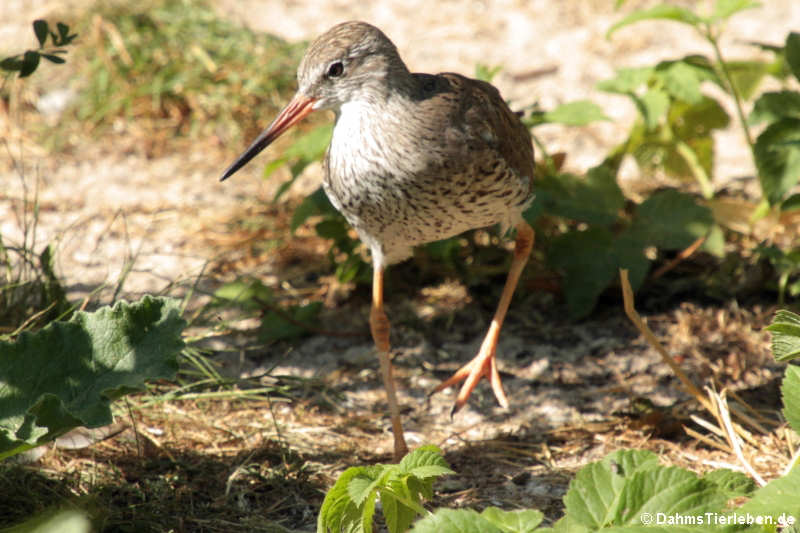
{"type": "Point", "coordinates": [353, 61]}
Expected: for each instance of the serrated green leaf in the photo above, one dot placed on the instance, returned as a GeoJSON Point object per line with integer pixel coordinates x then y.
{"type": "Point", "coordinates": [772, 106]}
{"type": "Point", "coordinates": [338, 512]}
{"type": "Point", "coordinates": [398, 517]}
{"type": "Point", "coordinates": [522, 521]}
{"type": "Point", "coordinates": [776, 498]}
{"type": "Point", "coordinates": [627, 80]}
{"type": "Point", "coordinates": [427, 471]}
{"type": "Point", "coordinates": [669, 490]}
{"type": "Point", "coordinates": [594, 496]}
{"type": "Point", "coordinates": [360, 487]}
{"type": "Point", "coordinates": [785, 329]}
{"type": "Point", "coordinates": [792, 53]}
{"type": "Point", "coordinates": [777, 155]}
{"type": "Point", "coordinates": [426, 455]}
{"type": "Point", "coordinates": [455, 521]}
{"type": "Point", "coordinates": [41, 30]}
{"type": "Point", "coordinates": [578, 113]}
{"type": "Point", "coordinates": [660, 12]}
{"type": "Point", "coordinates": [671, 220]}
{"type": "Point", "coordinates": [730, 483]}
{"type": "Point", "coordinates": [81, 366]}
{"type": "Point", "coordinates": [790, 390]}
{"type": "Point", "coordinates": [724, 9]}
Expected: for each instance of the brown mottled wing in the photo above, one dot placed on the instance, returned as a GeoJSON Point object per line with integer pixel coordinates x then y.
{"type": "Point", "coordinates": [479, 120]}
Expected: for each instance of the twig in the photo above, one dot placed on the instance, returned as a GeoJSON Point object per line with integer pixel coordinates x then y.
{"type": "Point", "coordinates": [682, 256]}
{"type": "Point", "coordinates": [627, 295]}
{"type": "Point", "coordinates": [733, 439]}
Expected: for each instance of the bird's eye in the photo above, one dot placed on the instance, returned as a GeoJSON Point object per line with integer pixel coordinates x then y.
{"type": "Point", "coordinates": [335, 69]}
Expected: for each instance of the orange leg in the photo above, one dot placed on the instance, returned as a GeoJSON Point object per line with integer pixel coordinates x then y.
{"type": "Point", "coordinates": [379, 325]}
{"type": "Point", "coordinates": [485, 363]}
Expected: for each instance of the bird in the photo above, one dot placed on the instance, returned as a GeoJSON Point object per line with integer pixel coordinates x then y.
{"type": "Point", "coordinates": [413, 158]}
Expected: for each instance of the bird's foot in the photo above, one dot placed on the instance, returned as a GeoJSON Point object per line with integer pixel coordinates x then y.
{"type": "Point", "coordinates": [484, 364]}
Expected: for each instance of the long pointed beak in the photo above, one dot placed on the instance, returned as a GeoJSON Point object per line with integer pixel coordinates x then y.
{"type": "Point", "coordinates": [294, 112]}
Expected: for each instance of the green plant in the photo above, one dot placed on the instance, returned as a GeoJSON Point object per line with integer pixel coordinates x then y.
{"type": "Point", "coordinates": [26, 63]}
{"type": "Point", "coordinates": [30, 293]}
{"type": "Point", "coordinates": [350, 504]}
{"type": "Point", "coordinates": [674, 131]}
{"type": "Point", "coordinates": [67, 374]}
{"type": "Point", "coordinates": [176, 66]}
{"type": "Point", "coordinates": [627, 491]}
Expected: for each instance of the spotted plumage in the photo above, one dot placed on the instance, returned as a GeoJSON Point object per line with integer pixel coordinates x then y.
{"type": "Point", "coordinates": [413, 158]}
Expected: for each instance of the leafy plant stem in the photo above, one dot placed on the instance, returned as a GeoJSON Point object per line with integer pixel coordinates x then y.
{"type": "Point", "coordinates": [726, 74]}
{"type": "Point", "coordinates": [697, 169]}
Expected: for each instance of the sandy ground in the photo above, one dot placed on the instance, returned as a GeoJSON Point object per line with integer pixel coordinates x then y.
{"type": "Point", "coordinates": [114, 204]}
{"type": "Point", "coordinates": [109, 206]}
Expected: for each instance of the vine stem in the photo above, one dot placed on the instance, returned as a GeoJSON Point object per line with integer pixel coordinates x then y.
{"type": "Point", "coordinates": [726, 73]}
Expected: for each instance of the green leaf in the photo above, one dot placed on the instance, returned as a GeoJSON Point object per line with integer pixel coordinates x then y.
{"type": "Point", "coordinates": [338, 512]}
{"type": "Point", "coordinates": [68, 373]}
{"type": "Point", "coordinates": [785, 329]}
{"type": "Point", "coordinates": [41, 30]}
{"type": "Point", "coordinates": [486, 73]}
{"type": "Point", "coordinates": [455, 521]}
{"type": "Point", "coordinates": [724, 9]}
{"type": "Point", "coordinates": [13, 63]}
{"type": "Point", "coordinates": [669, 490]}
{"type": "Point", "coordinates": [316, 203]}
{"type": "Point", "coordinates": [792, 203]}
{"type": "Point", "coordinates": [747, 76]}
{"type": "Point", "coordinates": [627, 80]}
{"type": "Point", "coordinates": [427, 455]}
{"type": "Point", "coordinates": [522, 521]}
{"type": "Point", "coordinates": [595, 495]}
{"type": "Point", "coordinates": [730, 483]}
{"type": "Point", "coordinates": [777, 154]}
{"type": "Point", "coordinates": [777, 498]}
{"type": "Point", "coordinates": [590, 260]}
{"type": "Point", "coordinates": [596, 199]}
{"type": "Point", "coordinates": [792, 53]}
{"type": "Point", "coordinates": [248, 293]}
{"type": "Point", "coordinates": [671, 219]}
{"type": "Point", "coordinates": [660, 12]}
{"type": "Point", "coordinates": [54, 520]}
{"type": "Point", "coordinates": [773, 106]}
{"type": "Point", "coordinates": [682, 81]}
{"type": "Point", "coordinates": [30, 61]}
{"type": "Point", "coordinates": [653, 106]}
{"type": "Point", "coordinates": [790, 390]}
{"type": "Point", "coordinates": [54, 58]}
{"type": "Point", "coordinates": [289, 324]}
{"type": "Point", "coordinates": [578, 113]}
{"type": "Point", "coordinates": [332, 228]}
{"type": "Point", "coordinates": [398, 516]}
